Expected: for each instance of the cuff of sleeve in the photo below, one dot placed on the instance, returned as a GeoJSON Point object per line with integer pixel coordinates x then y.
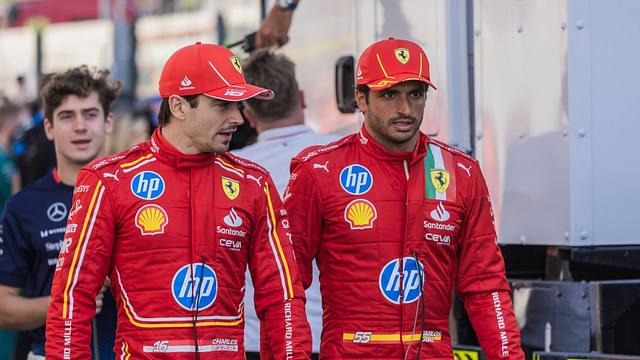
{"type": "Point", "coordinates": [12, 280]}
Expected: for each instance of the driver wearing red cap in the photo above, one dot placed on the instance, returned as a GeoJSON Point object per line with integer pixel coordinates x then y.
{"type": "Point", "coordinates": [174, 222]}
{"type": "Point", "coordinates": [396, 220]}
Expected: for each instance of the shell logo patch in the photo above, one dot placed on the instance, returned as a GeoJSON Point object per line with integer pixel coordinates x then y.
{"type": "Point", "coordinates": [151, 219]}
{"type": "Point", "coordinates": [402, 54]}
{"type": "Point", "coordinates": [360, 214]}
{"type": "Point", "coordinates": [230, 187]}
{"type": "Point", "coordinates": [440, 180]}
{"type": "Point", "coordinates": [236, 64]}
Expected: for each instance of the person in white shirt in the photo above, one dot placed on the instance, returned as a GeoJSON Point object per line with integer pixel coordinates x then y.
{"type": "Point", "coordinates": [281, 135]}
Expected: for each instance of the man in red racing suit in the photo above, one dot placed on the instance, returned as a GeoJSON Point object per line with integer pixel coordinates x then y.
{"type": "Point", "coordinates": [395, 221]}
{"type": "Point", "coordinates": [175, 229]}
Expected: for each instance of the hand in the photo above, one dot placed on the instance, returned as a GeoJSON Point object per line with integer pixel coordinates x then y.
{"type": "Point", "coordinates": [274, 29]}
{"type": "Point", "coordinates": [100, 296]}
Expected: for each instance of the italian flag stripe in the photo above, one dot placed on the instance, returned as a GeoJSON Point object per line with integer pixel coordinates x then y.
{"type": "Point", "coordinates": [450, 166]}
{"type": "Point", "coordinates": [438, 163]}
{"type": "Point", "coordinates": [429, 189]}
{"type": "Point", "coordinates": [436, 159]}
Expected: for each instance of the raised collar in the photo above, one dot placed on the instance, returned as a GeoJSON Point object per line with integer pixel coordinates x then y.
{"type": "Point", "coordinates": [378, 151]}
{"type": "Point", "coordinates": [284, 133]}
{"type": "Point", "coordinates": [167, 153]}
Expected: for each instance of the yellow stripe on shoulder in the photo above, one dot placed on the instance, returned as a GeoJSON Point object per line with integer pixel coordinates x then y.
{"type": "Point", "coordinates": [224, 163]}
{"type": "Point", "coordinates": [136, 161]}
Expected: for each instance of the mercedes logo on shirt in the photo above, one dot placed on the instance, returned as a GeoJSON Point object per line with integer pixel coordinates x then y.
{"type": "Point", "coordinates": [57, 212]}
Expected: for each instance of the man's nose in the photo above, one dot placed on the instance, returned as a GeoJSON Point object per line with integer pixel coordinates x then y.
{"type": "Point", "coordinates": [403, 106]}
{"type": "Point", "coordinates": [235, 117]}
{"type": "Point", "coordinates": [80, 124]}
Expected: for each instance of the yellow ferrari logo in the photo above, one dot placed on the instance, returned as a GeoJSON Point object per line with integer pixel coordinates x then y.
{"type": "Point", "coordinates": [402, 54]}
{"type": "Point", "coordinates": [440, 180]}
{"type": "Point", "coordinates": [236, 63]}
{"type": "Point", "coordinates": [231, 187]}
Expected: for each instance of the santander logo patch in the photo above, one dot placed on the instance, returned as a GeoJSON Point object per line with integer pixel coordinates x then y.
{"type": "Point", "coordinates": [440, 213]}
{"type": "Point", "coordinates": [233, 219]}
{"type": "Point", "coordinates": [186, 83]}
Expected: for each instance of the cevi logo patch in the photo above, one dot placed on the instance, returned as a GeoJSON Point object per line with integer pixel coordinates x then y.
{"type": "Point", "coordinates": [151, 219]}
{"type": "Point", "coordinates": [360, 214]}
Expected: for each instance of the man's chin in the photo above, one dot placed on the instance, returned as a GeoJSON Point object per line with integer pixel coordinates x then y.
{"type": "Point", "coordinates": [404, 137]}
{"type": "Point", "coordinates": [83, 159]}
{"type": "Point", "coordinates": [219, 148]}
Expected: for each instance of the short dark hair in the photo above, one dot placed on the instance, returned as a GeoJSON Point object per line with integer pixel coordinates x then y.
{"type": "Point", "coordinates": [365, 90]}
{"type": "Point", "coordinates": [79, 81]}
{"type": "Point", "coordinates": [165, 112]}
{"type": "Point", "coordinates": [276, 72]}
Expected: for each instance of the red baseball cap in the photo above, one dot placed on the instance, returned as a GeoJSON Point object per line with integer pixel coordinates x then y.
{"type": "Point", "coordinates": [388, 62]}
{"type": "Point", "coordinates": [207, 69]}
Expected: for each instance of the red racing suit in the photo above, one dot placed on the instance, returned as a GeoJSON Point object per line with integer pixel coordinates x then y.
{"type": "Point", "coordinates": [383, 227]}
{"type": "Point", "coordinates": [175, 233]}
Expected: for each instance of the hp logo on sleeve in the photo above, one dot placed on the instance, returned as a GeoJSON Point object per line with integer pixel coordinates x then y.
{"type": "Point", "coordinates": [356, 179]}
{"type": "Point", "coordinates": [412, 280]}
{"type": "Point", "coordinates": [195, 286]}
{"type": "Point", "coordinates": [147, 185]}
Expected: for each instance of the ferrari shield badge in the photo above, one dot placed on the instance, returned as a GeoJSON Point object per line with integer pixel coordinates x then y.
{"type": "Point", "coordinates": [230, 187]}
{"type": "Point", "coordinates": [402, 54]}
{"type": "Point", "coordinates": [236, 63]}
{"type": "Point", "coordinates": [440, 180]}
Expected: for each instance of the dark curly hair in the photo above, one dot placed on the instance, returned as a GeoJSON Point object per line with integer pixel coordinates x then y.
{"type": "Point", "coordinates": [79, 81]}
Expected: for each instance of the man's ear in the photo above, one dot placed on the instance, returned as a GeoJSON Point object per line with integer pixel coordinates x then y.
{"type": "Point", "coordinates": [361, 101]}
{"type": "Point", "coordinates": [108, 123]}
{"type": "Point", "coordinates": [250, 116]}
{"type": "Point", "coordinates": [303, 104]}
{"type": "Point", "coordinates": [177, 106]}
{"type": "Point", "coordinates": [48, 128]}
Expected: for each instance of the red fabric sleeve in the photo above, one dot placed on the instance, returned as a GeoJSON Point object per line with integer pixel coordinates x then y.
{"type": "Point", "coordinates": [481, 280]}
{"type": "Point", "coordinates": [82, 267]}
{"type": "Point", "coordinates": [279, 297]}
{"type": "Point", "coordinates": [303, 205]}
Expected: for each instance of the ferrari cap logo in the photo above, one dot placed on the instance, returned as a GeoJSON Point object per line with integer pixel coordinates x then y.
{"type": "Point", "coordinates": [230, 187]}
{"type": "Point", "coordinates": [402, 54]}
{"type": "Point", "coordinates": [440, 180]}
{"type": "Point", "coordinates": [236, 63]}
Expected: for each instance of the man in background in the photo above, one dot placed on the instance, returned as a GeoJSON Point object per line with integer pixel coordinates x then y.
{"type": "Point", "coordinates": [281, 135]}
{"type": "Point", "coordinates": [9, 120]}
{"type": "Point", "coordinates": [77, 118]}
